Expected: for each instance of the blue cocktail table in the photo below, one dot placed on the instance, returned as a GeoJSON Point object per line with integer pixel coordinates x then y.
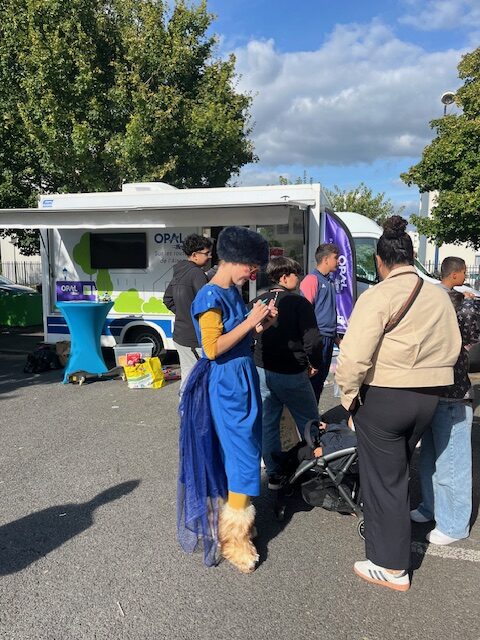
{"type": "Point", "coordinates": [85, 321]}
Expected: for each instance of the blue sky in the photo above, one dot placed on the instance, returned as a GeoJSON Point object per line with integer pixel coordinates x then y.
{"type": "Point", "coordinates": [345, 89]}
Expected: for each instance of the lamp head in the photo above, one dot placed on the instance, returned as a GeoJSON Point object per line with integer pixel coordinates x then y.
{"type": "Point", "coordinates": [448, 97]}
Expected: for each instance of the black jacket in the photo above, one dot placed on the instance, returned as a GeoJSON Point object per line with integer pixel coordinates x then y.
{"type": "Point", "coordinates": [295, 341]}
{"type": "Point", "coordinates": [187, 280]}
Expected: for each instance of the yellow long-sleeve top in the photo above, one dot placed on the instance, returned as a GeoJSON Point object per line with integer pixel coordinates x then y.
{"type": "Point", "coordinates": [211, 327]}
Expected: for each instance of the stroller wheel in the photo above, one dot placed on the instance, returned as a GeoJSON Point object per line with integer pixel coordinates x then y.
{"type": "Point", "coordinates": [361, 528]}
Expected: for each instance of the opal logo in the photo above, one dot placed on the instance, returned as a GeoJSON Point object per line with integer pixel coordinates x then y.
{"type": "Point", "coordinates": [341, 279]}
{"type": "Point", "coordinates": [168, 238]}
{"type": "Point", "coordinates": [70, 288]}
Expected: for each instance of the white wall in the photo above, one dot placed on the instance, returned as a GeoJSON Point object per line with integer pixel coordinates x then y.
{"type": "Point", "coordinates": [426, 249]}
{"type": "Point", "coordinates": [10, 253]}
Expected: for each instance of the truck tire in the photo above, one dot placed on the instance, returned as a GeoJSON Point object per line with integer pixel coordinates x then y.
{"type": "Point", "coordinates": [141, 335]}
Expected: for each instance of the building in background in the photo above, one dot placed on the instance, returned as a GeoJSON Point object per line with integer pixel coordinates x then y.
{"type": "Point", "coordinates": [431, 256]}
{"type": "Point", "coordinates": [17, 267]}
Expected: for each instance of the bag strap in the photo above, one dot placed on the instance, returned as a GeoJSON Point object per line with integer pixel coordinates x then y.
{"type": "Point", "coordinates": [194, 351]}
{"type": "Point", "coordinates": [402, 312]}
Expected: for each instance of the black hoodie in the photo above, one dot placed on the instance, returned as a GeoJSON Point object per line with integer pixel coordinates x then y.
{"type": "Point", "coordinates": [294, 341]}
{"type": "Point", "coordinates": [188, 278]}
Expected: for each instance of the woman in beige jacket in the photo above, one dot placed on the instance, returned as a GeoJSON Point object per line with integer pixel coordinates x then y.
{"type": "Point", "coordinates": [394, 361]}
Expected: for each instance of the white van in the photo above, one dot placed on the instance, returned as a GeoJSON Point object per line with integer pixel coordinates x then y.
{"type": "Point", "coordinates": [365, 234]}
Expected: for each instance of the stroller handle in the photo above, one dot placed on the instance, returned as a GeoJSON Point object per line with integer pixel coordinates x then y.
{"type": "Point", "coordinates": [306, 465]}
{"type": "Point", "coordinates": [339, 454]}
{"type": "Point", "coordinates": [303, 467]}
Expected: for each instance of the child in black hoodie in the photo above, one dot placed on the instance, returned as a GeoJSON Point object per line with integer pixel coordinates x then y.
{"type": "Point", "coordinates": [285, 355]}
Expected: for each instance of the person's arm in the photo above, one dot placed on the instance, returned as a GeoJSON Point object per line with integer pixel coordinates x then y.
{"type": "Point", "coordinates": [310, 335]}
{"type": "Point", "coordinates": [168, 300]}
{"type": "Point", "coordinates": [309, 287]}
{"type": "Point", "coordinates": [214, 342]}
{"type": "Point", "coordinates": [469, 322]}
{"type": "Point", "coordinates": [365, 330]}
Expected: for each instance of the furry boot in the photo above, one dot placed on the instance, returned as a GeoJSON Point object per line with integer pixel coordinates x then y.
{"type": "Point", "coordinates": [235, 536]}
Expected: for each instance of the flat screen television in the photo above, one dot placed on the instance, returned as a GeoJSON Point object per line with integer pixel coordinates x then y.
{"type": "Point", "coordinates": [118, 250]}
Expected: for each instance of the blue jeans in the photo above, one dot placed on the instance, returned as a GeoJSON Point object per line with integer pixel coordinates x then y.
{"type": "Point", "coordinates": [446, 468]}
{"type": "Point", "coordinates": [278, 390]}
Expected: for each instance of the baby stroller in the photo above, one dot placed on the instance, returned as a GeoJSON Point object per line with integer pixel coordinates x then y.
{"type": "Point", "coordinates": [330, 481]}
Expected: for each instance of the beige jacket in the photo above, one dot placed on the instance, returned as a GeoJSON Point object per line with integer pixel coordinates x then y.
{"type": "Point", "coordinates": [419, 352]}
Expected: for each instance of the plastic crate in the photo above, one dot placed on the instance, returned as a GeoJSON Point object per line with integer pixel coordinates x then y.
{"type": "Point", "coordinates": [121, 351]}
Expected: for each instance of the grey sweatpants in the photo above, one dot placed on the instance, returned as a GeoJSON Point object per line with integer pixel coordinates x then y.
{"type": "Point", "coordinates": [187, 361]}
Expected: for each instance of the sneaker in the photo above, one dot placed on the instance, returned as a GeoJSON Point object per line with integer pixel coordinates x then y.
{"type": "Point", "coordinates": [275, 481]}
{"type": "Point", "coordinates": [417, 516]}
{"type": "Point", "coordinates": [371, 572]}
{"type": "Point", "coordinates": [437, 537]}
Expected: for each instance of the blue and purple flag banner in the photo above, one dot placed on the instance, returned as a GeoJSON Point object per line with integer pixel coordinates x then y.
{"type": "Point", "coordinates": [344, 277]}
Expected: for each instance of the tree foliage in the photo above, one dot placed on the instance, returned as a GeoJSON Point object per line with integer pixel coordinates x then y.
{"type": "Point", "coordinates": [362, 200]}
{"type": "Point", "coordinates": [451, 166]}
{"type": "Point", "coordinates": [94, 93]}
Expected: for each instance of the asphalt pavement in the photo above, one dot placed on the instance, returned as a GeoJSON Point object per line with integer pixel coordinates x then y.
{"type": "Point", "coordinates": [88, 547]}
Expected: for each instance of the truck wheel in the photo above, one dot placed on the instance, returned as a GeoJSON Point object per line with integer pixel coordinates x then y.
{"type": "Point", "coordinates": [142, 335]}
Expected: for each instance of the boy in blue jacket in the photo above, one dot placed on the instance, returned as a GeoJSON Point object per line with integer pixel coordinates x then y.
{"type": "Point", "coordinates": [319, 289]}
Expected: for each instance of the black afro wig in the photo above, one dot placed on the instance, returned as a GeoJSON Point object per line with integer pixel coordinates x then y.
{"type": "Point", "coordinates": [239, 244]}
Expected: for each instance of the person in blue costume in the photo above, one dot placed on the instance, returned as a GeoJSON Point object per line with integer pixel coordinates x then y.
{"type": "Point", "coordinates": [221, 427]}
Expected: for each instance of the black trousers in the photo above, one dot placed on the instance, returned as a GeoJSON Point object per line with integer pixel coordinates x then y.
{"type": "Point", "coordinates": [317, 381]}
{"type": "Point", "coordinates": [389, 424]}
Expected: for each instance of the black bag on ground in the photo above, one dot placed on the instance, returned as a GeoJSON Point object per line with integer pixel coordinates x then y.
{"type": "Point", "coordinates": [322, 492]}
{"type": "Point", "coordinates": [42, 359]}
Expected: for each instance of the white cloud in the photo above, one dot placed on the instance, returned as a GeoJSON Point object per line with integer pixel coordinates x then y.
{"type": "Point", "coordinates": [362, 96]}
{"type": "Point", "coordinates": [255, 175]}
{"type": "Point", "coordinates": [442, 14]}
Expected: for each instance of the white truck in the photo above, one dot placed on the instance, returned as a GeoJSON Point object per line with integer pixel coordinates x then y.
{"type": "Point", "coordinates": [125, 244]}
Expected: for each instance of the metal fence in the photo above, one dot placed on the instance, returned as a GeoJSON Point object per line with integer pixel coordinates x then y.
{"type": "Point", "coordinates": [27, 273]}
{"type": "Point", "coordinates": [472, 275]}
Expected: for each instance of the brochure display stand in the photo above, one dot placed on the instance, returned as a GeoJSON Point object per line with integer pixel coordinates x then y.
{"type": "Point", "coordinates": [85, 321]}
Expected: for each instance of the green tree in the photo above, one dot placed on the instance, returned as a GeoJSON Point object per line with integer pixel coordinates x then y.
{"type": "Point", "coordinates": [362, 200]}
{"type": "Point", "coordinates": [97, 92]}
{"type": "Point", "coordinates": [451, 166]}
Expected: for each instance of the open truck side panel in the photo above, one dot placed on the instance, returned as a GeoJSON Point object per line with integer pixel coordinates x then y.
{"type": "Point", "coordinates": [288, 216]}
{"type": "Point", "coordinates": [291, 217]}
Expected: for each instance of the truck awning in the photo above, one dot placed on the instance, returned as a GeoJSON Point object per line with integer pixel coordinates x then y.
{"type": "Point", "coordinates": [151, 217]}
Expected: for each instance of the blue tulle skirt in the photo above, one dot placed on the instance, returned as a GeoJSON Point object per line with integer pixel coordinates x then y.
{"type": "Point", "coordinates": [202, 483]}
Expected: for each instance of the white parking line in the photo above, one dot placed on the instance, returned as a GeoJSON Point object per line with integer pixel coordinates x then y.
{"type": "Point", "coordinates": [452, 553]}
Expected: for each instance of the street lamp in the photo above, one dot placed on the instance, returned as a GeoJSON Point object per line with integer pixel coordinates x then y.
{"type": "Point", "coordinates": [447, 98]}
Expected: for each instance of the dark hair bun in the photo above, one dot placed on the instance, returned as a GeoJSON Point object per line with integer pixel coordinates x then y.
{"type": "Point", "coordinates": [394, 227]}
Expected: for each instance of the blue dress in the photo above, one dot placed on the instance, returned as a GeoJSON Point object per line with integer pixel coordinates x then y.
{"type": "Point", "coordinates": [234, 392]}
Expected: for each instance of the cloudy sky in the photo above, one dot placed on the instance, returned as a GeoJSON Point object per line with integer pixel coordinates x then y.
{"type": "Point", "coordinates": [345, 90]}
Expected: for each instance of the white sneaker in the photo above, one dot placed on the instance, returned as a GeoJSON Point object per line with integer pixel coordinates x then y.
{"type": "Point", "coordinates": [437, 537]}
{"type": "Point", "coordinates": [371, 572]}
{"type": "Point", "coordinates": [417, 516]}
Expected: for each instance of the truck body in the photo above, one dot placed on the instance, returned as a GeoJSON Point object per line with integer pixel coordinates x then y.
{"type": "Point", "coordinates": [124, 245]}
